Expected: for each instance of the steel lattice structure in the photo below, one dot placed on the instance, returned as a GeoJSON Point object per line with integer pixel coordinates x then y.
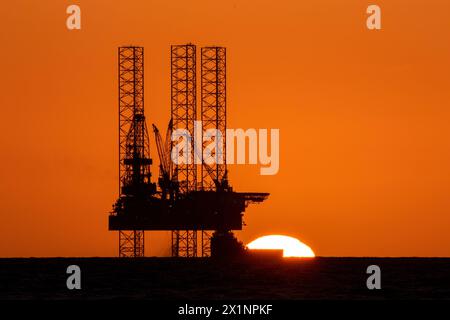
{"type": "Point", "coordinates": [184, 113]}
{"type": "Point", "coordinates": [184, 243]}
{"type": "Point", "coordinates": [184, 108]}
{"type": "Point", "coordinates": [206, 243]}
{"type": "Point", "coordinates": [131, 244]}
{"type": "Point", "coordinates": [213, 116]}
{"type": "Point", "coordinates": [134, 148]}
{"type": "Point", "coordinates": [213, 112]}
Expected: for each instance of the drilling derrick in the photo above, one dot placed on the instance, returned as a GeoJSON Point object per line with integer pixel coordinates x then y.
{"type": "Point", "coordinates": [184, 113]}
{"type": "Point", "coordinates": [134, 149]}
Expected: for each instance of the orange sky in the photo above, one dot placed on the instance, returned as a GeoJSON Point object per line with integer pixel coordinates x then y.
{"type": "Point", "coordinates": [363, 116]}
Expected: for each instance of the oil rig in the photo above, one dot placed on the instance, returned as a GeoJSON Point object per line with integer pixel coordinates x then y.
{"type": "Point", "coordinates": [192, 200]}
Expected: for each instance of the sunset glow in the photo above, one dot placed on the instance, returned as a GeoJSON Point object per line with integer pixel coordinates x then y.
{"type": "Point", "coordinates": [292, 247]}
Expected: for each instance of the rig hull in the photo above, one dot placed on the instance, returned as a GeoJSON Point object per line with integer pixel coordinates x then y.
{"type": "Point", "coordinates": [198, 210]}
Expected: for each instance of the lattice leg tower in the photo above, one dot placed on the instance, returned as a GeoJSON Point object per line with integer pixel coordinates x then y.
{"type": "Point", "coordinates": [134, 146]}
{"type": "Point", "coordinates": [131, 244]}
{"type": "Point", "coordinates": [206, 243]}
{"type": "Point", "coordinates": [183, 108]}
{"type": "Point", "coordinates": [213, 110]}
{"type": "Point", "coordinates": [184, 243]}
{"type": "Point", "coordinates": [184, 114]}
{"type": "Point", "coordinates": [175, 243]}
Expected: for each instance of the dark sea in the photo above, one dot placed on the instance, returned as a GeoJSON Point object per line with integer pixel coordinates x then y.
{"type": "Point", "coordinates": [205, 279]}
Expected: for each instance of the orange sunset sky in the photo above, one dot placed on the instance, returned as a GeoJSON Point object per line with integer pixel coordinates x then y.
{"type": "Point", "coordinates": [363, 117]}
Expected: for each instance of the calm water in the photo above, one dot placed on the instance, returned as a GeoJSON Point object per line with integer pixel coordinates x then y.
{"type": "Point", "coordinates": [165, 278]}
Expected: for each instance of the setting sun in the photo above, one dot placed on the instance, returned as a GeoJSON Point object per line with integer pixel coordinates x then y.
{"type": "Point", "coordinates": [291, 247]}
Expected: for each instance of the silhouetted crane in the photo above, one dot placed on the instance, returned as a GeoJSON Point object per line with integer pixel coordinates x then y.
{"type": "Point", "coordinates": [166, 181]}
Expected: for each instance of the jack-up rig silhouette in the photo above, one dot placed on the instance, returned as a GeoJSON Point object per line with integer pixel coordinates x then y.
{"type": "Point", "coordinates": [178, 202]}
